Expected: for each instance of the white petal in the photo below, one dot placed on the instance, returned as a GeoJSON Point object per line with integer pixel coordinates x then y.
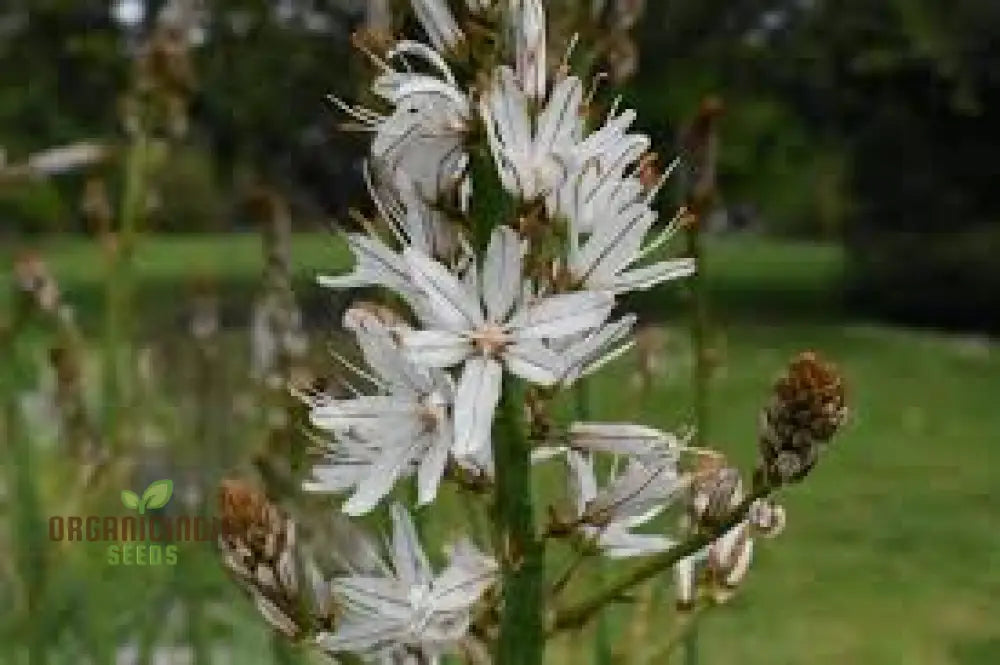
{"type": "Point", "coordinates": [435, 348]}
{"type": "Point", "coordinates": [476, 400]}
{"type": "Point", "coordinates": [614, 245]}
{"type": "Point", "coordinates": [376, 264]}
{"type": "Point", "coordinates": [562, 315]}
{"type": "Point", "coordinates": [652, 275]}
{"type": "Point", "coordinates": [408, 556]}
{"type": "Point", "coordinates": [378, 481]}
{"type": "Point", "coordinates": [502, 273]}
{"type": "Point", "coordinates": [534, 362]}
{"type": "Point", "coordinates": [620, 544]}
{"type": "Point", "coordinates": [582, 479]}
{"type": "Point", "coordinates": [382, 353]}
{"type": "Point", "coordinates": [448, 299]}
{"type": "Point", "coordinates": [432, 468]}
{"type": "Point", "coordinates": [623, 439]}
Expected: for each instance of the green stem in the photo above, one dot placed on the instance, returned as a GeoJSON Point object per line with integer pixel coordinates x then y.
{"type": "Point", "coordinates": [29, 532]}
{"type": "Point", "coordinates": [118, 296]}
{"type": "Point", "coordinates": [521, 639]}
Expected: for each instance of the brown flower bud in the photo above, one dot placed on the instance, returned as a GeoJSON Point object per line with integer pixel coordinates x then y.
{"type": "Point", "coordinates": [806, 409]}
{"type": "Point", "coordinates": [715, 493]}
{"type": "Point", "coordinates": [259, 548]}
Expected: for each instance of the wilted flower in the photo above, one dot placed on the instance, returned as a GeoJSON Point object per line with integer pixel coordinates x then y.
{"type": "Point", "coordinates": [807, 407]}
{"type": "Point", "coordinates": [406, 608]}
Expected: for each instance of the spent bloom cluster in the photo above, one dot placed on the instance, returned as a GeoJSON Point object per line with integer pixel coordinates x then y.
{"type": "Point", "coordinates": [510, 222]}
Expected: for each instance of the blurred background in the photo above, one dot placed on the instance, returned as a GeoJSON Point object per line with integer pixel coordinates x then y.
{"type": "Point", "coordinates": [169, 173]}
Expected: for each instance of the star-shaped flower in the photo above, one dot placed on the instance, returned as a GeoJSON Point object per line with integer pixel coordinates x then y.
{"type": "Point", "coordinates": [488, 321]}
{"type": "Point", "coordinates": [404, 429]}
{"type": "Point", "coordinates": [407, 607]}
{"type": "Point", "coordinates": [629, 500]}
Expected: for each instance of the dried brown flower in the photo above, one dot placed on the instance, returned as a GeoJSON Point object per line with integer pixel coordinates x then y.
{"type": "Point", "coordinates": [807, 407]}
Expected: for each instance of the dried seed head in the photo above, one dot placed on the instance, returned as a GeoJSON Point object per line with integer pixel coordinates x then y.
{"type": "Point", "coordinates": [806, 409]}
{"type": "Point", "coordinates": [258, 546]}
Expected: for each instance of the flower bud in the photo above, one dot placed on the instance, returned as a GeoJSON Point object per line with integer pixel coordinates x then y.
{"type": "Point", "coordinates": [806, 409]}
{"type": "Point", "coordinates": [259, 548]}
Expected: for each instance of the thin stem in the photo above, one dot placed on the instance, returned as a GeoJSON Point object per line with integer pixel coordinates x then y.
{"type": "Point", "coordinates": [520, 641]}
{"type": "Point", "coordinates": [578, 615]}
{"type": "Point", "coordinates": [118, 295]}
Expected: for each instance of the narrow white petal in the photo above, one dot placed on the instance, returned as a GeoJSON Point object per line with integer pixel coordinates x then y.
{"type": "Point", "coordinates": [435, 348]}
{"type": "Point", "coordinates": [378, 481]}
{"type": "Point", "coordinates": [476, 400]}
{"type": "Point", "coordinates": [562, 315]}
{"type": "Point", "coordinates": [408, 558]}
{"type": "Point", "coordinates": [502, 273]}
{"type": "Point", "coordinates": [448, 298]}
{"type": "Point", "coordinates": [432, 467]}
{"type": "Point", "coordinates": [534, 362]}
{"type": "Point", "coordinates": [652, 275]}
{"type": "Point", "coordinates": [620, 544]}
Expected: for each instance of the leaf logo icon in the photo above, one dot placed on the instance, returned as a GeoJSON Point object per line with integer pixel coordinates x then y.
{"type": "Point", "coordinates": [156, 496]}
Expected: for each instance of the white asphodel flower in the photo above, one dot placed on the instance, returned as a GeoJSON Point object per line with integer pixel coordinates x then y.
{"type": "Point", "coordinates": [631, 499]}
{"type": "Point", "coordinates": [487, 323]}
{"type": "Point", "coordinates": [407, 608]}
{"type": "Point", "coordinates": [438, 22]}
{"type": "Point", "coordinates": [605, 260]}
{"type": "Point", "coordinates": [601, 181]}
{"type": "Point", "coordinates": [423, 137]}
{"type": "Point", "coordinates": [404, 429]}
{"type": "Point", "coordinates": [530, 153]}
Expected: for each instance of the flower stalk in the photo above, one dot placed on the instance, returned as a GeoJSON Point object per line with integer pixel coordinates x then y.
{"type": "Point", "coordinates": [521, 638]}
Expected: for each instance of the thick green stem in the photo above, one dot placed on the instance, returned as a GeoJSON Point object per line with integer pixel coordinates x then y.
{"type": "Point", "coordinates": [521, 639]}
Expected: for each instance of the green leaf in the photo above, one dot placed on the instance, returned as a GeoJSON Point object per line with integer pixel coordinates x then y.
{"type": "Point", "coordinates": [157, 494]}
{"type": "Point", "coordinates": [130, 499]}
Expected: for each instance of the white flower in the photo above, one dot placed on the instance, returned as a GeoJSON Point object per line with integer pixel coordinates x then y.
{"type": "Point", "coordinates": [380, 438]}
{"type": "Point", "coordinates": [530, 154]}
{"type": "Point", "coordinates": [409, 608]}
{"type": "Point", "coordinates": [438, 23]}
{"type": "Point", "coordinates": [605, 260]}
{"type": "Point", "coordinates": [629, 500]}
{"type": "Point", "coordinates": [422, 138]}
{"type": "Point", "coordinates": [600, 181]}
{"type": "Point", "coordinates": [486, 321]}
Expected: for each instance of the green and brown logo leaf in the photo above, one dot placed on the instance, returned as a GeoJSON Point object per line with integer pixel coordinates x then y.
{"type": "Point", "coordinates": [156, 496]}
